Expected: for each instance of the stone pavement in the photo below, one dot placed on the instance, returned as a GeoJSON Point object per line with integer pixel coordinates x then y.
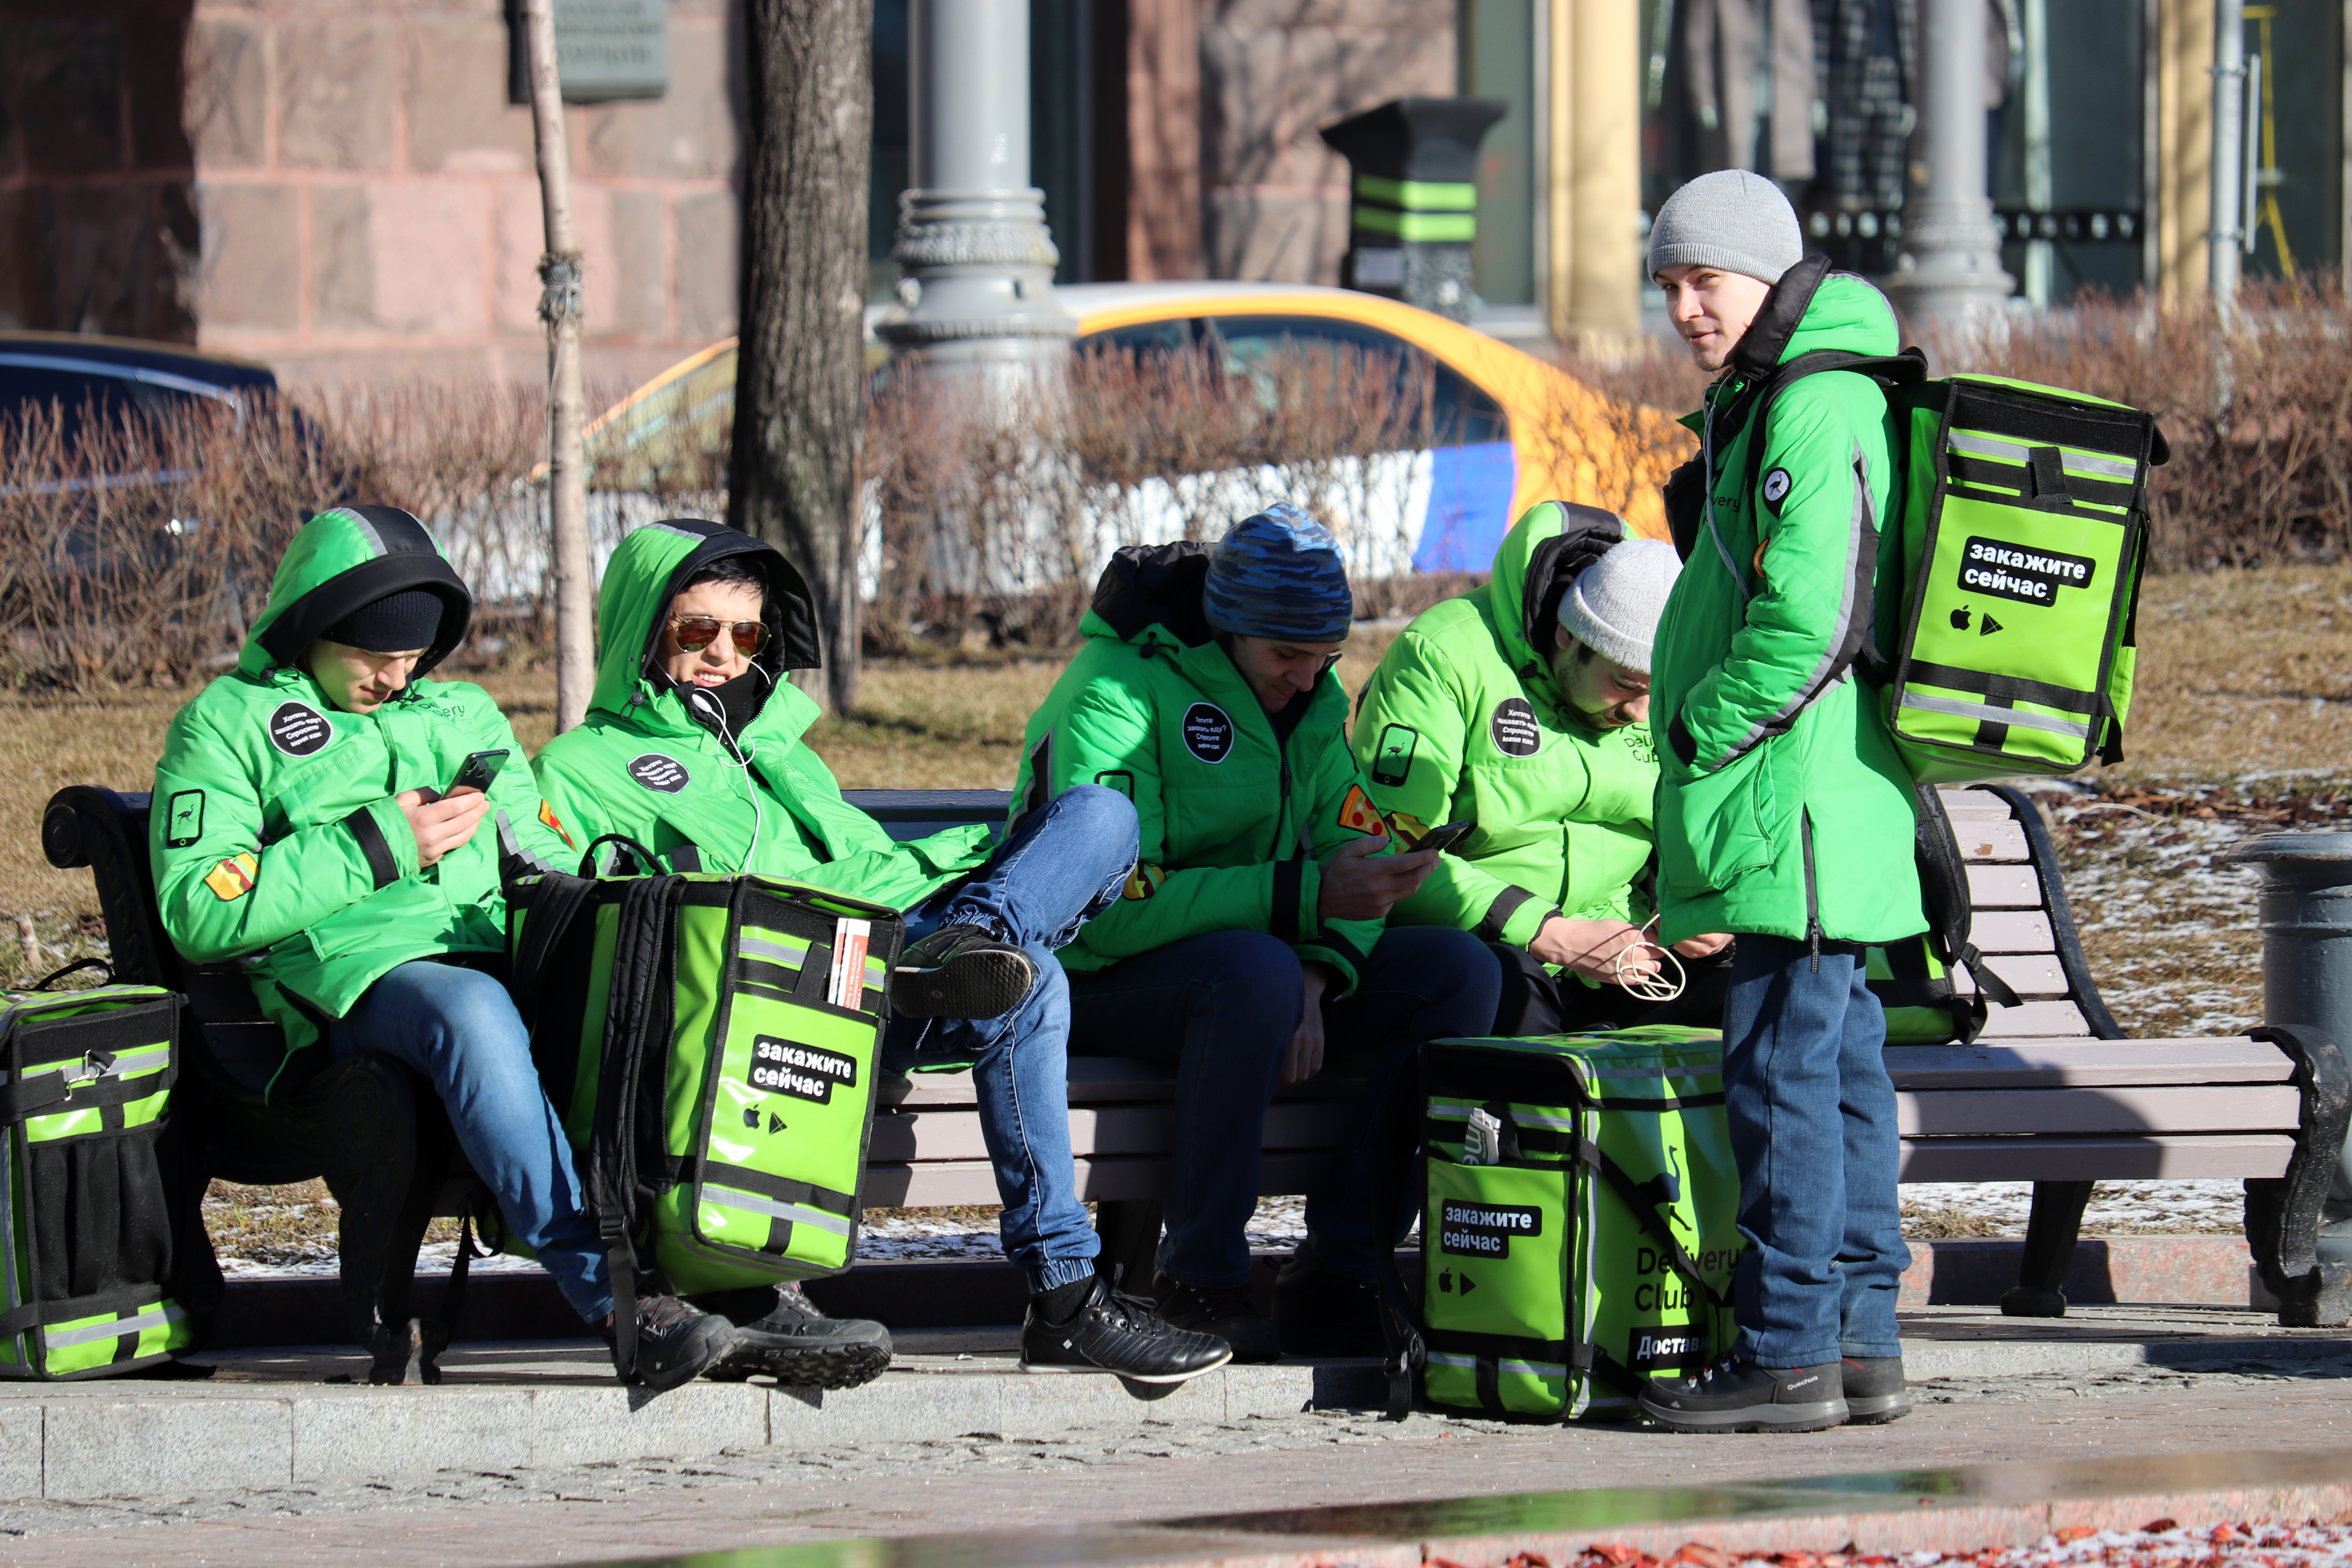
{"type": "Point", "coordinates": [2135, 1384]}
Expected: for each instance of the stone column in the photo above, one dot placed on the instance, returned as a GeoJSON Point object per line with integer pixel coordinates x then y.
{"type": "Point", "coordinates": [1951, 272]}
{"type": "Point", "coordinates": [975, 261]}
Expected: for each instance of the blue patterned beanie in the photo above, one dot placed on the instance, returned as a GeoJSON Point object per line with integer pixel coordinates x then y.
{"type": "Point", "coordinates": [1278, 575]}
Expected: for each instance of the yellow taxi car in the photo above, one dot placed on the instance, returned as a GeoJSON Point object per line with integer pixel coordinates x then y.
{"type": "Point", "coordinates": [1518, 430]}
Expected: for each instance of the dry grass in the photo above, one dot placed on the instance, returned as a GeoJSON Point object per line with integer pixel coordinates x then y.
{"type": "Point", "coordinates": [2243, 671]}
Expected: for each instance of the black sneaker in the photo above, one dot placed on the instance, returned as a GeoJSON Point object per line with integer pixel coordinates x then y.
{"type": "Point", "coordinates": [961, 972]}
{"type": "Point", "coordinates": [1321, 1315]}
{"type": "Point", "coordinates": [1229, 1315]}
{"type": "Point", "coordinates": [1112, 1333]}
{"type": "Point", "coordinates": [1740, 1396]}
{"type": "Point", "coordinates": [783, 1335]}
{"type": "Point", "coordinates": [676, 1342]}
{"type": "Point", "coordinates": [1873, 1390]}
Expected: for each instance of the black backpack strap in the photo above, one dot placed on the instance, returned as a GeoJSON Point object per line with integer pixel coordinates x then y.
{"type": "Point", "coordinates": [643, 856]}
{"type": "Point", "coordinates": [1643, 1198]}
{"type": "Point", "coordinates": [555, 901]}
{"type": "Point", "coordinates": [78, 965]}
{"type": "Point", "coordinates": [1402, 1332]}
{"type": "Point", "coordinates": [641, 972]}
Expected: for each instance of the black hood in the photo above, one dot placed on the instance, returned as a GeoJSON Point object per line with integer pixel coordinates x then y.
{"type": "Point", "coordinates": [1156, 584]}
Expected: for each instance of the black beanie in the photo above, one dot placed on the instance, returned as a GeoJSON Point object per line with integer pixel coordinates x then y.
{"type": "Point", "coordinates": [393, 623]}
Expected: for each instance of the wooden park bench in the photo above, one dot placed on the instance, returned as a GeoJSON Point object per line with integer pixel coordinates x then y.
{"type": "Point", "coordinates": [2050, 1092]}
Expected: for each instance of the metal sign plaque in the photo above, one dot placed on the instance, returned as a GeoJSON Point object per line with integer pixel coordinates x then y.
{"type": "Point", "coordinates": [605, 49]}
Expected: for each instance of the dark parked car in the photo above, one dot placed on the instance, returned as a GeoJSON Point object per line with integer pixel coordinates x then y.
{"type": "Point", "coordinates": [115, 376]}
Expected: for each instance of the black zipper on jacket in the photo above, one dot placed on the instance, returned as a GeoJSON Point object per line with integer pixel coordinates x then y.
{"type": "Point", "coordinates": [1812, 888]}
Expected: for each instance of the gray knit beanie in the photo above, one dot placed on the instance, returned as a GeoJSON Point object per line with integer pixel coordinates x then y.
{"type": "Point", "coordinates": [1613, 606]}
{"type": "Point", "coordinates": [1732, 219]}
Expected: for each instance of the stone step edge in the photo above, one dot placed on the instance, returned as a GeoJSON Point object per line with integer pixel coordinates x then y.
{"type": "Point", "coordinates": [2157, 1270]}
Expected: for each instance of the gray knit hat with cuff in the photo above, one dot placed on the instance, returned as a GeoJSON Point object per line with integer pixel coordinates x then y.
{"type": "Point", "coordinates": [1614, 604]}
{"type": "Point", "coordinates": [1732, 219]}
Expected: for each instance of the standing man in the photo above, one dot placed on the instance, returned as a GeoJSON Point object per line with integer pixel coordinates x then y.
{"type": "Point", "coordinates": [1524, 707]}
{"type": "Point", "coordinates": [1249, 942]}
{"type": "Point", "coordinates": [1784, 814]}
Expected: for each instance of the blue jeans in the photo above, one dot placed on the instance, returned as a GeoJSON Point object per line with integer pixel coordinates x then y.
{"type": "Point", "coordinates": [1813, 1130]}
{"type": "Point", "coordinates": [457, 1027]}
{"type": "Point", "coordinates": [1065, 864]}
{"type": "Point", "coordinates": [1221, 1007]}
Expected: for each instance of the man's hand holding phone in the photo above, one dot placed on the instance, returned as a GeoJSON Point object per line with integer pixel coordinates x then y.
{"type": "Point", "coordinates": [445, 821]}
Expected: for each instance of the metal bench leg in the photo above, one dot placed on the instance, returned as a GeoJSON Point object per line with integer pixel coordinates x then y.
{"type": "Point", "coordinates": [2051, 1232]}
{"type": "Point", "coordinates": [2283, 1214]}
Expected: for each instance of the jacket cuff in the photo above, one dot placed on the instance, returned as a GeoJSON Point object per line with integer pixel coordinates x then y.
{"type": "Point", "coordinates": [385, 840]}
{"type": "Point", "coordinates": [1526, 920]}
{"type": "Point", "coordinates": [1509, 905]}
{"type": "Point", "coordinates": [1340, 955]}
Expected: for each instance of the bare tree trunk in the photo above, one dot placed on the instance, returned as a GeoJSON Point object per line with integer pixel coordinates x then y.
{"type": "Point", "coordinates": [800, 370]}
{"type": "Point", "coordinates": [567, 403]}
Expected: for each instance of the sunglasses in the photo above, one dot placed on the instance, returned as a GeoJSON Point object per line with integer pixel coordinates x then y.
{"type": "Point", "coordinates": [695, 632]}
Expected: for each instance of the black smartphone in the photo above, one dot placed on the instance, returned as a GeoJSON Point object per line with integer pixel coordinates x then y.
{"type": "Point", "coordinates": [1440, 837]}
{"type": "Point", "coordinates": [477, 771]}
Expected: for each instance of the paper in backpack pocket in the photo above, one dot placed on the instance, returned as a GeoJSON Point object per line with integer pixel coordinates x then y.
{"type": "Point", "coordinates": [846, 987]}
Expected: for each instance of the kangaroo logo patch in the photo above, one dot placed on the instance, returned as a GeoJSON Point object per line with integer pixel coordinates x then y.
{"type": "Point", "coordinates": [1208, 732]}
{"type": "Point", "coordinates": [298, 730]}
{"type": "Point", "coordinates": [185, 819]}
{"type": "Point", "coordinates": [1513, 727]}
{"type": "Point", "coordinates": [655, 771]}
{"type": "Point", "coordinates": [1776, 488]}
{"type": "Point", "coordinates": [1392, 763]}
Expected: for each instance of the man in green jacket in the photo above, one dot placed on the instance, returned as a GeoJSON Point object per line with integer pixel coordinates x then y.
{"type": "Point", "coordinates": [1523, 708]}
{"type": "Point", "coordinates": [1784, 814]}
{"type": "Point", "coordinates": [300, 825]}
{"type": "Point", "coordinates": [1249, 940]}
{"type": "Point", "coordinates": [693, 747]}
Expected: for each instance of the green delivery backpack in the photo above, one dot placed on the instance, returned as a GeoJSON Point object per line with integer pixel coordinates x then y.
{"type": "Point", "coordinates": [2020, 535]}
{"type": "Point", "coordinates": [2023, 533]}
{"type": "Point", "coordinates": [1578, 1226]}
{"type": "Point", "coordinates": [86, 1253]}
{"type": "Point", "coordinates": [710, 1044]}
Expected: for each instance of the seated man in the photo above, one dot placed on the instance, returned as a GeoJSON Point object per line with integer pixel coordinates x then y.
{"type": "Point", "coordinates": [692, 747]}
{"type": "Point", "coordinates": [299, 826]}
{"type": "Point", "coordinates": [1523, 707]}
{"type": "Point", "coordinates": [1249, 939]}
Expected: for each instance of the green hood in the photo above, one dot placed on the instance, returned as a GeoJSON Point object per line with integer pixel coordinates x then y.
{"type": "Point", "coordinates": [1812, 308]}
{"type": "Point", "coordinates": [1544, 551]}
{"type": "Point", "coordinates": [649, 570]}
{"type": "Point", "coordinates": [341, 561]}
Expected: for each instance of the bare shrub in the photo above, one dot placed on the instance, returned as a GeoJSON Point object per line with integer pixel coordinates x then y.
{"type": "Point", "coordinates": [2262, 457]}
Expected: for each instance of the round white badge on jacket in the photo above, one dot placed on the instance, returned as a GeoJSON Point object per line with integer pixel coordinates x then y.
{"type": "Point", "coordinates": [1776, 487]}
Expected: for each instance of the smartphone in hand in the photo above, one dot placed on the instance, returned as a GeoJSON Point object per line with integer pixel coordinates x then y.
{"type": "Point", "coordinates": [478, 771]}
{"type": "Point", "coordinates": [1440, 836]}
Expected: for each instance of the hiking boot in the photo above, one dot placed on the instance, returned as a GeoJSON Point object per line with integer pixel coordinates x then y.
{"type": "Point", "coordinates": [1873, 1390]}
{"type": "Point", "coordinates": [1112, 1333]}
{"type": "Point", "coordinates": [961, 972]}
{"type": "Point", "coordinates": [676, 1342]}
{"type": "Point", "coordinates": [783, 1335]}
{"type": "Point", "coordinates": [1229, 1315]}
{"type": "Point", "coordinates": [1321, 1315]}
{"type": "Point", "coordinates": [1734, 1396]}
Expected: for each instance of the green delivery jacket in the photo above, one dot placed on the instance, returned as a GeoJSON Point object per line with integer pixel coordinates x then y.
{"type": "Point", "coordinates": [643, 764]}
{"type": "Point", "coordinates": [273, 836]}
{"type": "Point", "coordinates": [1461, 722]}
{"type": "Point", "coordinates": [1784, 809]}
{"type": "Point", "coordinates": [1235, 821]}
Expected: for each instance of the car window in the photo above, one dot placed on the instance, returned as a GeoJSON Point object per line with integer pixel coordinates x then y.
{"type": "Point", "coordinates": [1144, 337]}
{"type": "Point", "coordinates": [79, 394]}
{"type": "Point", "coordinates": [1462, 414]}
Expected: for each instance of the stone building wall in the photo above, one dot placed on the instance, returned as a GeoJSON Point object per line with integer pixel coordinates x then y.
{"type": "Point", "coordinates": [1274, 198]}
{"type": "Point", "coordinates": [369, 203]}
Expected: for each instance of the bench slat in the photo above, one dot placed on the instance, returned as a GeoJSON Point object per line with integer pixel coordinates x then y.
{"type": "Point", "coordinates": [1111, 1180]}
{"type": "Point", "coordinates": [1975, 805]}
{"type": "Point", "coordinates": [934, 1135]}
{"type": "Point", "coordinates": [1113, 1080]}
{"type": "Point", "coordinates": [2171, 1155]}
{"type": "Point", "coordinates": [2004, 888]}
{"type": "Point", "coordinates": [1997, 932]}
{"type": "Point", "coordinates": [2133, 1107]}
{"type": "Point", "coordinates": [1987, 841]}
{"type": "Point", "coordinates": [2034, 1021]}
{"type": "Point", "coordinates": [2033, 976]}
{"type": "Point", "coordinates": [2081, 1064]}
